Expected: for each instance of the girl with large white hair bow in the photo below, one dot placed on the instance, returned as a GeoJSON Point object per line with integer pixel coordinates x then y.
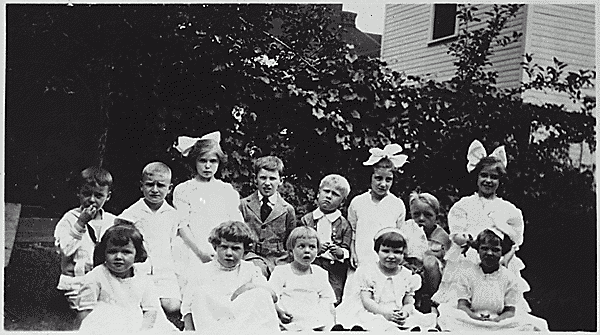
{"type": "Point", "coordinates": [482, 210]}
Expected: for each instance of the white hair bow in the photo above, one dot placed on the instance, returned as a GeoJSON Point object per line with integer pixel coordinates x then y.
{"type": "Point", "coordinates": [186, 143]}
{"type": "Point", "coordinates": [477, 152]}
{"type": "Point", "coordinates": [387, 230]}
{"type": "Point", "coordinates": [391, 152]}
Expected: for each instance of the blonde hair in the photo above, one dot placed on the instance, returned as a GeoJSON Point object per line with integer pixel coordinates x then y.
{"type": "Point", "coordinates": [301, 232]}
{"type": "Point", "coordinates": [338, 182]}
{"type": "Point", "coordinates": [427, 198]}
{"type": "Point", "coordinates": [159, 168]}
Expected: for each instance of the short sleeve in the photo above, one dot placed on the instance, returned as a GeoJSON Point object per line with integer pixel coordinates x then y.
{"type": "Point", "coordinates": [256, 276]}
{"type": "Point", "coordinates": [277, 280]}
{"type": "Point", "coordinates": [517, 223]}
{"type": "Point", "coordinates": [89, 292]}
{"type": "Point", "coordinates": [463, 286]}
{"type": "Point", "coordinates": [181, 204]}
{"type": "Point", "coordinates": [326, 293]}
{"type": "Point", "coordinates": [150, 300]}
{"type": "Point", "coordinates": [414, 283]}
{"type": "Point", "coordinates": [352, 218]}
{"type": "Point", "coordinates": [365, 282]}
{"type": "Point", "coordinates": [511, 296]}
{"type": "Point", "coordinates": [234, 204]}
{"type": "Point", "coordinates": [402, 215]}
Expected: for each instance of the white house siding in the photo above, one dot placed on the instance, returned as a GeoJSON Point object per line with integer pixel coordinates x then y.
{"type": "Point", "coordinates": [405, 45]}
{"type": "Point", "coordinates": [564, 31]}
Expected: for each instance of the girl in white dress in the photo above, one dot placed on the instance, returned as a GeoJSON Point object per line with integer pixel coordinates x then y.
{"type": "Point", "coordinates": [482, 210]}
{"type": "Point", "coordinates": [384, 297]}
{"type": "Point", "coordinates": [202, 202]}
{"type": "Point", "coordinates": [228, 295]}
{"type": "Point", "coordinates": [115, 296]}
{"type": "Point", "coordinates": [305, 297]}
{"type": "Point", "coordinates": [487, 294]}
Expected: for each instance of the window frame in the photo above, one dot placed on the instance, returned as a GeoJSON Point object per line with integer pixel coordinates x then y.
{"type": "Point", "coordinates": [431, 40]}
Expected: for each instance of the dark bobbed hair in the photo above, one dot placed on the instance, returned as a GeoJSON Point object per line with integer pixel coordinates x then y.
{"type": "Point", "coordinates": [384, 163]}
{"type": "Point", "coordinates": [232, 231]}
{"type": "Point", "coordinates": [202, 147]}
{"type": "Point", "coordinates": [120, 234]}
{"type": "Point", "coordinates": [488, 236]}
{"type": "Point", "coordinates": [391, 239]}
{"type": "Point", "coordinates": [93, 175]}
{"type": "Point", "coordinates": [301, 232]}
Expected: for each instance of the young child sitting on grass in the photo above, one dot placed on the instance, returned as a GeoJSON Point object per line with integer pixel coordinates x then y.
{"type": "Point", "coordinates": [80, 229]}
{"type": "Point", "coordinates": [157, 221]}
{"type": "Point", "coordinates": [228, 294]}
{"type": "Point", "coordinates": [305, 298]}
{"type": "Point", "coordinates": [333, 231]}
{"type": "Point", "coordinates": [487, 293]}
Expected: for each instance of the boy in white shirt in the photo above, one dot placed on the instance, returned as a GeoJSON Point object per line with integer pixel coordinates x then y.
{"type": "Point", "coordinates": [333, 230]}
{"type": "Point", "coordinates": [157, 221]}
{"type": "Point", "coordinates": [78, 231]}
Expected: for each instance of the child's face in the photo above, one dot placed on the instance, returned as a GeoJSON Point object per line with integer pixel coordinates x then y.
{"type": "Point", "coordinates": [155, 187]}
{"type": "Point", "coordinates": [229, 253]}
{"type": "Point", "coordinates": [207, 165]}
{"type": "Point", "coordinates": [488, 181]}
{"type": "Point", "coordinates": [120, 259]}
{"type": "Point", "coordinates": [490, 253]}
{"type": "Point", "coordinates": [381, 181]}
{"type": "Point", "coordinates": [305, 250]}
{"type": "Point", "coordinates": [389, 257]}
{"type": "Point", "coordinates": [329, 199]}
{"type": "Point", "coordinates": [422, 213]}
{"type": "Point", "coordinates": [93, 195]}
{"type": "Point", "coordinates": [267, 182]}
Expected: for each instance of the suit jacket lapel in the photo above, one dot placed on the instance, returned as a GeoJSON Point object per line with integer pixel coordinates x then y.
{"type": "Point", "coordinates": [254, 204]}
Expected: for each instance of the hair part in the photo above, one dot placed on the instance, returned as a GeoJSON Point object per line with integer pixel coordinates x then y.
{"type": "Point", "coordinates": [391, 239]}
{"type": "Point", "coordinates": [384, 163]}
{"type": "Point", "coordinates": [120, 235]}
{"type": "Point", "coordinates": [489, 237]}
{"type": "Point", "coordinates": [302, 232]}
{"type": "Point", "coordinates": [337, 182]}
{"type": "Point", "coordinates": [95, 175]}
{"type": "Point", "coordinates": [426, 198]}
{"type": "Point", "coordinates": [156, 168]}
{"type": "Point", "coordinates": [232, 231]}
{"type": "Point", "coordinates": [205, 146]}
{"type": "Point", "coordinates": [269, 163]}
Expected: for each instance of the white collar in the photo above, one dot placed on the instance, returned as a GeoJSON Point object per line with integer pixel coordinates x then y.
{"type": "Point", "coordinates": [272, 198]}
{"type": "Point", "coordinates": [163, 208]}
{"type": "Point", "coordinates": [318, 214]}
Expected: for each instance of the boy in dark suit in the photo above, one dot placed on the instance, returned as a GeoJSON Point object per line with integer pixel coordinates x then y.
{"type": "Point", "coordinates": [333, 231]}
{"type": "Point", "coordinates": [269, 216]}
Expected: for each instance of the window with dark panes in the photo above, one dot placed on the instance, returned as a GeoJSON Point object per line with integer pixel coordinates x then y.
{"type": "Point", "coordinates": [444, 20]}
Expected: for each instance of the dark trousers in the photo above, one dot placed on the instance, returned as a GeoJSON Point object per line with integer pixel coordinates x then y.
{"type": "Point", "coordinates": [338, 271]}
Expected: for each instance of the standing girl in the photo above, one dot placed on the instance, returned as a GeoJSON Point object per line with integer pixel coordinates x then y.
{"type": "Point", "coordinates": [377, 208]}
{"type": "Point", "coordinates": [305, 297]}
{"type": "Point", "coordinates": [482, 210]}
{"type": "Point", "coordinates": [203, 202]}
{"type": "Point", "coordinates": [384, 299]}
{"type": "Point", "coordinates": [115, 296]}
{"type": "Point", "coordinates": [487, 294]}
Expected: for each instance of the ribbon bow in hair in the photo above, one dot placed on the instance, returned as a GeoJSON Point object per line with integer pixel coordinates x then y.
{"type": "Point", "coordinates": [186, 143]}
{"type": "Point", "coordinates": [477, 152]}
{"type": "Point", "coordinates": [391, 152]}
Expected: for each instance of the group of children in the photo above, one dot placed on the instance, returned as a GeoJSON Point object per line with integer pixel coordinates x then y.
{"type": "Point", "coordinates": [225, 264]}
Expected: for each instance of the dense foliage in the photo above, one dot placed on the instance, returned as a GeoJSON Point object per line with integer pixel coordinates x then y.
{"type": "Point", "coordinates": [116, 85]}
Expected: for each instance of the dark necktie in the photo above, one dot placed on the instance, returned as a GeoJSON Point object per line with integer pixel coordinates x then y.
{"type": "Point", "coordinates": [265, 209]}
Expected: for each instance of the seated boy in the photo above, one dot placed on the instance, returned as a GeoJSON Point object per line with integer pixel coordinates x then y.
{"type": "Point", "coordinates": [333, 229]}
{"type": "Point", "coordinates": [157, 221]}
{"type": "Point", "coordinates": [80, 229]}
{"type": "Point", "coordinates": [269, 216]}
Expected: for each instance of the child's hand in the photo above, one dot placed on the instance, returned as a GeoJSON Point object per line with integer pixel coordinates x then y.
{"type": "Point", "coordinates": [461, 239]}
{"type": "Point", "coordinates": [284, 316]}
{"type": "Point", "coordinates": [394, 315]}
{"type": "Point", "coordinates": [87, 214]}
{"type": "Point", "coordinates": [246, 287]}
{"type": "Point", "coordinates": [324, 247]}
{"type": "Point", "coordinates": [336, 250]}
{"type": "Point", "coordinates": [353, 260]}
